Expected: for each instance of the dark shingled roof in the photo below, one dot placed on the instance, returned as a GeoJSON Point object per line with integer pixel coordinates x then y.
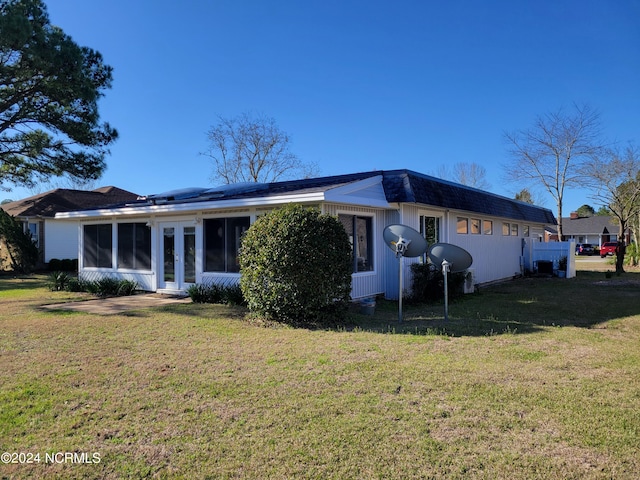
{"type": "Point", "coordinates": [595, 225]}
{"type": "Point", "coordinates": [400, 186]}
{"type": "Point", "coordinates": [408, 186]}
{"type": "Point", "coordinates": [49, 203]}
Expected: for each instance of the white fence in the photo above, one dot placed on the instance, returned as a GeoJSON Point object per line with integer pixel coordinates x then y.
{"type": "Point", "coordinates": [551, 252]}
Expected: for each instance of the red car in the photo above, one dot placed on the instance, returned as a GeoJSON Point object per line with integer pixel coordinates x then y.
{"type": "Point", "coordinates": [608, 248]}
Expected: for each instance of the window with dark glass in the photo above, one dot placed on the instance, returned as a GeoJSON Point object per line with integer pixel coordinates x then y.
{"type": "Point", "coordinates": [134, 246]}
{"type": "Point", "coordinates": [360, 232]}
{"type": "Point", "coordinates": [430, 230]}
{"type": "Point", "coordinates": [222, 238]}
{"type": "Point", "coordinates": [97, 246]}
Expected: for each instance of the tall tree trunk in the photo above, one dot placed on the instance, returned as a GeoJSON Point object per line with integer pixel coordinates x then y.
{"type": "Point", "coordinates": [621, 248]}
{"type": "Point", "coordinates": [560, 239]}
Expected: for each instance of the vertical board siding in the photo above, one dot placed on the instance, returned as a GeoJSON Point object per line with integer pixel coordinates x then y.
{"type": "Point", "coordinates": [367, 284]}
{"type": "Point", "coordinates": [553, 251]}
{"type": "Point", "coordinates": [60, 239]}
{"type": "Point", "coordinates": [495, 257]}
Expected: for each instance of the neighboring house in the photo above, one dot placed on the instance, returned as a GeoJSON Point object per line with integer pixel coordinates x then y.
{"type": "Point", "coordinates": [169, 241]}
{"type": "Point", "coordinates": [56, 238]}
{"type": "Point", "coordinates": [595, 230]}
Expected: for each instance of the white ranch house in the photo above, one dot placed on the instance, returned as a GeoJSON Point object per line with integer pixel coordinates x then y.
{"type": "Point", "coordinates": [170, 241]}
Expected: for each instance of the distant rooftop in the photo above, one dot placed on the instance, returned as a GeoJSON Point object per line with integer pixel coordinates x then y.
{"type": "Point", "coordinates": [49, 203]}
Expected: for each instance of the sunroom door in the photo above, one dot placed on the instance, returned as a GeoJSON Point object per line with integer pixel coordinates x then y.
{"type": "Point", "coordinates": [177, 256]}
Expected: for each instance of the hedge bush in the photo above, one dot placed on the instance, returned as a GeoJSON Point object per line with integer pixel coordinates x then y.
{"type": "Point", "coordinates": [105, 287]}
{"type": "Point", "coordinates": [214, 293]}
{"type": "Point", "coordinates": [296, 266]}
{"type": "Point", "coordinates": [428, 283]}
{"type": "Point", "coordinates": [64, 265]}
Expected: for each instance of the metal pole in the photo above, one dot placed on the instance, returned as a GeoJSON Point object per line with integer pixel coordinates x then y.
{"type": "Point", "coordinates": [400, 289]}
{"type": "Point", "coordinates": [445, 270]}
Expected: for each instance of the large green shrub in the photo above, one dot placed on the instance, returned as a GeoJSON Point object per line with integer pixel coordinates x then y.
{"type": "Point", "coordinates": [296, 266]}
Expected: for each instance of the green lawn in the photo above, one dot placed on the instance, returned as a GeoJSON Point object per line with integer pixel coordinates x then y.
{"type": "Point", "coordinates": [535, 378]}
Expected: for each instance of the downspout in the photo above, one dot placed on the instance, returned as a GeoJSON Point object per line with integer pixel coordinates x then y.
{"type": "Point", "coordinates": [447, 226]}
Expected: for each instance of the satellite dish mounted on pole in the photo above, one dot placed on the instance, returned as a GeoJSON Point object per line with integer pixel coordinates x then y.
{"type": "Point", "coordinates": [450, 258]}
{"type": "Point", "coordinates": [405, 242]}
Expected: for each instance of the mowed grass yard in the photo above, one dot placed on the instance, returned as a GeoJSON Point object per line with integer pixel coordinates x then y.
{"type": "Point", "coordinates": [534, 378]}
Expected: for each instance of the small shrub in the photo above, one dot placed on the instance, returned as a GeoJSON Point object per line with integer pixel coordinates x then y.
{"type": "Point", "coordinates": [232, 295]}
{"type": "Point", "coordinates": [214, 293]}
{"type": "Point", "coordinates": [55, 265]}
{"type": "Point", "coordinates": [64, 265]}
{"type": "Point", "coordinates": [201, 293]}
{"type": "Point", "coordinates": [76, 285]}
{"type": "Point", "coordinates": [428, 283]}
{"type": "Point", "coordinates": [126, 287]}
{"type": "Point", "coordinates": [70, 264]}
{"type": "Point", "coordinates": [105, 287]}
{"type": "Point", "coordinates": [58, 281]}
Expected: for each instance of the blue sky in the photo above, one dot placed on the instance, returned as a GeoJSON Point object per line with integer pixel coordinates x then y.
{"type": "Point", "coordinates": [358, 85]}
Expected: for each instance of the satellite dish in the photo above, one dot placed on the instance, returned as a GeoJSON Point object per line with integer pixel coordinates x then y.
{"type": "Point", "coordinates": [405, 241]}
{"type": "Point", "coordinates": [459, 259]}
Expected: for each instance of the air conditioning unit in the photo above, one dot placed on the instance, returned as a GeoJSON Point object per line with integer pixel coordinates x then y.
{"type": "Point", "coordinates": [470, 280]}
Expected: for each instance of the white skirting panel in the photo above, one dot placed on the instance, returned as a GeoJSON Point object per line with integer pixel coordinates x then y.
{"type": "Point", "coordinates": [145, 281]}
{"type": "Point", "coordinates": [222, 279]}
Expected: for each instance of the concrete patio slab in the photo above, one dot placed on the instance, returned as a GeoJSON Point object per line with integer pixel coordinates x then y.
{"type": "Point", "coordinates": [113, 305]}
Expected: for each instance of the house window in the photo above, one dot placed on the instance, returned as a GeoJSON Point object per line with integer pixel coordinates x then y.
{"type": "Point", "coordinates": [360, 232]}
{"type": "Point", "coordinates": [525, 230]}
{"type": "Point", "coordinates": [514, 229]}
{"type": "Point", "coordinates": [222, 238]}
{"type": "Point", "coordinates": [430, 229]}
{"type": "Point", "coordinates": [506, 229]}
{"type": "Point", "coordinates": [475, 226]}
{"type": "Point", "coordinates": [97, 243]}
{"type": "Point", "coordinates": [487, 227]}
{"type": "Point", "coordinates": [134, 246]}
{"type": "Point", "coordinates": [33, 230]}
{"type": "Point", "coordinates": [463, 225]}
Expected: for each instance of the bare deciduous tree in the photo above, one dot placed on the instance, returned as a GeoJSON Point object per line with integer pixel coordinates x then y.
{"type": "Point", "coordinates": [553, 151]}
{"type": "Point", "coordinates": [252, 148]}
{"type": "Point", "coordinates": [615, 182]}
{"type": "Point", "coordinates": [469, 174]}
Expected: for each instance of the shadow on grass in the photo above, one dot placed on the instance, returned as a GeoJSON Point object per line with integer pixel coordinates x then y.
{"type": "Point", "coordinates": [521, 306]}
{"type": "Point", "coordinates": [21, 281]}
{"type": "Point", "coordinates": [524, 305]}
